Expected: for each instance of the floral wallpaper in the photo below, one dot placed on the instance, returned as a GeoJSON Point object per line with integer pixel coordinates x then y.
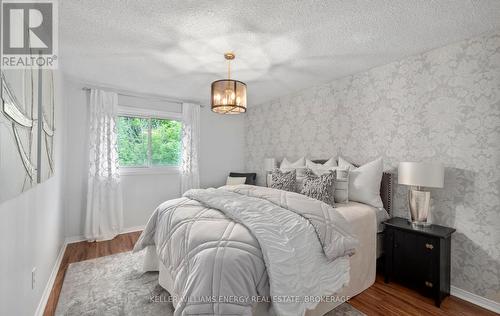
{"type": "Point", "coordinates": [439, 106]}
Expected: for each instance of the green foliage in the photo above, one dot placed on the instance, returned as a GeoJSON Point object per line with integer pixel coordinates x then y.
{"type": "Point", "coordinates": [133, 139]}
{"type": "Point", "coordinates": [165, 142]}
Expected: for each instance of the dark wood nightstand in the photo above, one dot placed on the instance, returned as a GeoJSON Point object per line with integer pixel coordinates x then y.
{"type": "Point", "coordinates": [418, 257]}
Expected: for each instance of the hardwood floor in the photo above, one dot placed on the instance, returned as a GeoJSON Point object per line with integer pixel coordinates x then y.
{"type": "Point", "coordinates": [379, 299]}
{"type": "Point", "coordinates": [81, 251]}
{"type": "Point", "coordinates": [394, 299]}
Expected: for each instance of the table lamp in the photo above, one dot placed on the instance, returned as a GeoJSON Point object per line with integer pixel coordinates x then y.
{"type": "Point", "coordinates": [269, 166]}
{"type": "Point", "coordinates": [418, 175]}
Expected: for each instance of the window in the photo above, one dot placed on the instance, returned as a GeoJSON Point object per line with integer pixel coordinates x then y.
{"type": "Point", "coordinates": [148, 142]}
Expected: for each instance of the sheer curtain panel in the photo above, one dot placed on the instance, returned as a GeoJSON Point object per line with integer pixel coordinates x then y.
{"type": "Point", "coordinates": [190, 173]}
{"type": "Point", "coordinates": [104, 216]}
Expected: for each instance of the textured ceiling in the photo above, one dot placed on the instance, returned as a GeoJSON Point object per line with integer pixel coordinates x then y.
{"type": "Point", "coordinates": [175, 48]}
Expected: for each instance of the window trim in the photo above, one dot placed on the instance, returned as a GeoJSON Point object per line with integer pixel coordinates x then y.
{"type": "Point", "coordinates": [146, 113]}
{"type": "Point", "coordinates": [149, 114]}
{"type": "Point", "coordinates": [131, 171]}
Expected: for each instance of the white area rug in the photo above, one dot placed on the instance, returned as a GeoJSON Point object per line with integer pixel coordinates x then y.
{"type": "Point", "coordinates": [115, 285]}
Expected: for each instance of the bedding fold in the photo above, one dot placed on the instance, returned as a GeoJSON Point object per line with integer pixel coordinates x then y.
{"type": "Point", "coordinates": [249, 242]}
{"type": "Point", "coordinates": [331, 227]}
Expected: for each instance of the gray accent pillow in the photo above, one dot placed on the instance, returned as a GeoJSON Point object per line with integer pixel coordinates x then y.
{"type": "Point", "coordinates": [319, 187]}
{"type": "Point", "coordinates": [283, 180]}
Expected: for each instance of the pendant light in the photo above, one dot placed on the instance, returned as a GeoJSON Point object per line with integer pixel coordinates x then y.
{"type": "Point", "coordinates": [229, 96]}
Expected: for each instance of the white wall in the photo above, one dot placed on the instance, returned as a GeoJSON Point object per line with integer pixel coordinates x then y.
{"type": "Point", "coordinates": [143, 193]}
{"type": "Point", "coordinates": [221, 146]}
{"type": "Point", "coordinates": [76, 145]}
{"type": "Point", "coordinates": [221, 151]}
{"type": "Point", "coordinates": [31, 233]}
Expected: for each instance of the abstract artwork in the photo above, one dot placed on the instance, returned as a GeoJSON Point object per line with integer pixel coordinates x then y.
{"type": "Point", "coordinates": [46, 146]}
{"type": "Point", "coordinates": [26, 130]}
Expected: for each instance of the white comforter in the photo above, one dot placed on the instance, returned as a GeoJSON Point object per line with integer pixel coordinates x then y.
{"type": "Point", "coordinates": [229, 247]}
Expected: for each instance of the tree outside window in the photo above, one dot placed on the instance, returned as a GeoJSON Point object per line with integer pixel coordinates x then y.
{"type": "Point", "coordinates": [149, 142]}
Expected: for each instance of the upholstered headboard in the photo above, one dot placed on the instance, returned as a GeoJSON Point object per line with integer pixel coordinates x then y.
{"type": "Point", "coordinates": [386, 192]}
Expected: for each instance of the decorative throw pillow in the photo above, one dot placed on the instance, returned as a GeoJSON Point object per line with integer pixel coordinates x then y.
{"type": "Point", "coordinates": [235, 180]}
{"type": "Point", "coordinates": [287, 165]}
{"type": "Point", "coordinates": [341, 184]}
{"type": "Point", "coordinates": [319, 168]}
{"type": "Point", "coordinates": [364, 182]}
{"type": "Point", "coordinates": [319, 187]}
{"type": "Point", "coordinates": [283, 180]}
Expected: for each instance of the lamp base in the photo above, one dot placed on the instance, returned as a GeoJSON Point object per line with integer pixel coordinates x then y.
{"type": "Point", "coordinates": [268, 178]}
{"type": "Point", "coordinates": [419, 206]}
{"type": "Point", "coordinates": [417, 224]}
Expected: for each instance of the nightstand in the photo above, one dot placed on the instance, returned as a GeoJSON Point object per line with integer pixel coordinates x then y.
{"type": "Point", "coordinates": [418, 257]}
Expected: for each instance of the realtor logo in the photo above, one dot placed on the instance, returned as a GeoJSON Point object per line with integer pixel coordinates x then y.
{"type": "Point", "coordinates": [29, 34]}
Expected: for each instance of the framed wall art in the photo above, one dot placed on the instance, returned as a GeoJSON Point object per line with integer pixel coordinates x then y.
{"type": "Point", "coordinates": [26, 130]}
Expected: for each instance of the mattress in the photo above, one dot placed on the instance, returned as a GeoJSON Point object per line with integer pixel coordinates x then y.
{"type": "Point", "coordinates": [363, 221]}
{"type": "Point", "coordinates": [362, 217]}
{"type": "Point", "coordinates": [381, 213]}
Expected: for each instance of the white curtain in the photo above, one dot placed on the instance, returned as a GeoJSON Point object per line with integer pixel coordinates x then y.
{"type": "Point", "coordinates": [104, 217]}
{"type": "Point", "coordinates": [190, 173]}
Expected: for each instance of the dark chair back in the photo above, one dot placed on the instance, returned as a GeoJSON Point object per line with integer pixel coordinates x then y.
{"type": "Point", "coordinates": [251, 177]}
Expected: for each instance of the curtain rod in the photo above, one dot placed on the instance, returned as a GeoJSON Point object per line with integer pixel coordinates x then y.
{"type": "Point", "coordinates": [139, 95]}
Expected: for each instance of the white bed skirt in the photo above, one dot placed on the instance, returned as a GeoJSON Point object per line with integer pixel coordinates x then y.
{"type": "Point", "coordinates": [362, 264]}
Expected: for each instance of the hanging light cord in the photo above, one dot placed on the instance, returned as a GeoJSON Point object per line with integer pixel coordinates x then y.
{"type": "Point", "coordinates": [228, 69]}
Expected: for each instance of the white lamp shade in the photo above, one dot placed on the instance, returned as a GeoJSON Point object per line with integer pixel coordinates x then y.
{"type": "Point", "coordinates": [421, 174]}
{"type": "Point", "coordinates": [269, 164]}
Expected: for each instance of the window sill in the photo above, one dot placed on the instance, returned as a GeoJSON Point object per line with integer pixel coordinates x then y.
{"type": "Point", "coordinates": [130, 171]}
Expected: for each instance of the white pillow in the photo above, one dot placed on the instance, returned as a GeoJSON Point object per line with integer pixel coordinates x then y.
{"type": "Point", "coordinates": [288, 166]}
{"type": "Point", "coordinates": [345, 164]}
{"type": "Point", "coordinates": [322, 168]}
{"type": "Point", "coordinates": [235, 180]}
{"type": "Point", "coordinates": [341, 194]}
{"type": "Point", "coordinates": [327, 165]}
{"type": "Point", "coordinates": [364, 182]}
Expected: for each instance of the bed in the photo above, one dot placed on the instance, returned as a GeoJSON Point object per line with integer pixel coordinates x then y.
{"type": "Point", "coordinates": [190, 266]}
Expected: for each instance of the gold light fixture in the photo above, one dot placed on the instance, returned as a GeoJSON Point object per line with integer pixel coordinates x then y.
{"type": "Point", "coordinates": [229, 96]}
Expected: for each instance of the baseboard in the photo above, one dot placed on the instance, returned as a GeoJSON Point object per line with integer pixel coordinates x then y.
{"type": "Point", "coordinates": [475, 299]}
{"type": "Point", "coordinates": [73, 239]}
{"type": "Point", "coordinates": [50, 282]}
{"type": "Point", "coordinates": [133, 229]}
